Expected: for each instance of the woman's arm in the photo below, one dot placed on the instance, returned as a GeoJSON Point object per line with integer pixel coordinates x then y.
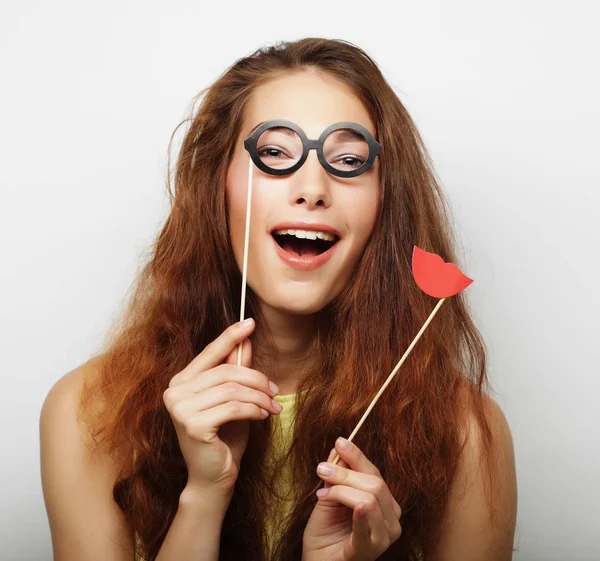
{"type": "Point", "coordinates": [468, 532]}
{"type": "Point", "coordinates": [195, 533]}
{"type": "Point", "coordinates": [85, 522]}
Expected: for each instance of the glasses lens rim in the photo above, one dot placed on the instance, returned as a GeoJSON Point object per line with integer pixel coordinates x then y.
{"type": "Point", "coordinates": [251, 145]}
{"type": "Point", "coordinates": [296, 165]}
{"type": "Point", "coordinates": [372, 145]}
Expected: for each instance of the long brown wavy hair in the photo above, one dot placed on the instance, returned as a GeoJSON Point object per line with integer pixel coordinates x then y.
{"type": "Point", "coordinates": [188, 292]}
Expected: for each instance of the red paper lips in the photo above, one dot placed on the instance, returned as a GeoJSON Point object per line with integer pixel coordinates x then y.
{"type": "Point", "coordinates": [435, 277]}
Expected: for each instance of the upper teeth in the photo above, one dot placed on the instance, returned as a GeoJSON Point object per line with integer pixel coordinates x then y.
{"type": "Point", "coordinates": [309, 234]}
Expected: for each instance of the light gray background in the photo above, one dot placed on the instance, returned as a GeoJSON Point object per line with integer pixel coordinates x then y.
{"type": "Point", "coordinates": [506, 96]}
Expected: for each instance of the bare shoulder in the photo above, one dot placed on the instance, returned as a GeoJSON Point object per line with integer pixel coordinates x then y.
{"type": "Point", "coordinates": [59, 422]}
{"type": "Point", "coordinates": [85, 522]}
{"type": "Point", "coordinates": [471, 529]}
{"type": "Point", "coordinates": [472, 430]}
{"type": "Point", "coordinates": [68, 387]}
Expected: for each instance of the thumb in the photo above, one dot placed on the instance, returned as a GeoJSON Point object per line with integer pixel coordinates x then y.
{"type": "Point", "coordinates": [232, 357]}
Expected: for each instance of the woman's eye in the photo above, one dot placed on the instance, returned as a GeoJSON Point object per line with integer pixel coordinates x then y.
{"type": "Point", "coordinates": [270, 152]}
{"type": "Point", "coordinates": [352, 161]}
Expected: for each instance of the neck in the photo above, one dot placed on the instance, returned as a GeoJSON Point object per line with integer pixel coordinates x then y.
{"type": "Point", "coordinates": [281, 347]}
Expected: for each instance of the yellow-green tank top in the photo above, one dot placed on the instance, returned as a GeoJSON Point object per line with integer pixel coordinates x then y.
{"type": "Point", "coordinates": [277, 511]}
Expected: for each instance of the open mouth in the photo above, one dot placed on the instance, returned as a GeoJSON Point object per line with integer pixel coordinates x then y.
{"type": "Point", "coordinates": [300, 247]}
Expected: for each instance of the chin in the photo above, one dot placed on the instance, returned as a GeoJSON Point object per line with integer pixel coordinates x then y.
{"type": "Point", "coordinates": [300, 309]}
{"type": "Point", "coordinates": [298, 300]}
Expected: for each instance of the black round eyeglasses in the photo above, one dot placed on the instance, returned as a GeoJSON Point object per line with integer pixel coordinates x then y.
{"type": "Point", "coordinates": [280, 147]}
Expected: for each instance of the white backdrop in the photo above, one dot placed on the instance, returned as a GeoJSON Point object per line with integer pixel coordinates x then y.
{"type": "Point", "coordinates": [506, 96]}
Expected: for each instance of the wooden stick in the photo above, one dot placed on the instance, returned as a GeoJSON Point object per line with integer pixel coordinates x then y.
{"type": "Point", "coordinates": [385, 385]}
{"type": "Point", "coordinates": [245, 267]}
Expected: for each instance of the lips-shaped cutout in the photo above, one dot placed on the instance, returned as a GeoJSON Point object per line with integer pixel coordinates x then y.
{"type": "Point", "coordinates": [435, 277]}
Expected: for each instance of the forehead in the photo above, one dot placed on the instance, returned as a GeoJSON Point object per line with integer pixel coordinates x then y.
{"type": "Point", "coordinates": [311, 100]}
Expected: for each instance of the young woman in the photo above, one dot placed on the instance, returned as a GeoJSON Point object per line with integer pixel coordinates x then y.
{"type": "Point", "coordinates": [163, 442]}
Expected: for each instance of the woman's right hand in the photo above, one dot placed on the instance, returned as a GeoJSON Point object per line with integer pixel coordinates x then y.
{"type": "Point", "coordinates": [211, 402]}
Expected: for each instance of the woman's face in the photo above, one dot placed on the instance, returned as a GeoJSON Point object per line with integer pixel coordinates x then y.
{"type": "Point", "coordinates": [284, 271]}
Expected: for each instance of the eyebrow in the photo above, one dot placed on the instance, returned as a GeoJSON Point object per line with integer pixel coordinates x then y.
{"type": "Point", "coordinates": [348, 134]}
{"type": "Point", "coordinates": [284, 130]}
{"type": "Point", "coordinates": [343, 134]}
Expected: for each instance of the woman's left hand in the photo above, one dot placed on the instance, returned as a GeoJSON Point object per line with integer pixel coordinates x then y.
{"type": "Point", "coordinates": [335, 530]}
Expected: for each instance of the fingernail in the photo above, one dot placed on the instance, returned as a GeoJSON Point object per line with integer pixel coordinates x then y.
{"type": "Point", "coordinates": [246, 323]}
{"type": "Point", "coordinates": [322, 492]}
{"type": "Point", "coordinates": [324, 469]}
{"type": "Point", "coordinates": [343, 443]}
{"type": "Point", "coordinates": [274, 387]}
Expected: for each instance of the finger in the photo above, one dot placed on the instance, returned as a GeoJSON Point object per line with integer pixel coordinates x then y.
{"type": "Point", "coordinates": [361, 530]}
{"type": "Point", "coordinates": [351, 497]}
{"type": "Point", "coordinates": [332, 456]}
{"type": "Point", "coordinates": [206, 424]}
{"type": "Point", "coordinates": [246, 354]}
{"type": "Point", "coordinates": [217, 395]}
{"type": "Point", "coordinates": [220, 375]}
{"type": "Point", "coordinates": [355, 458]}
{"type": "Point", "coordinates": [372, 484]}
{"type": "Point", "coordinates": [357, 461]}
{"type": "Point", "coordinates": [330, 459]}
{"type": "Point", "coordinates": [343, 494]}
{"type": "Point", "coordinates": [215, 352]}
{"type": "Point", "coordinates": [368, 531]}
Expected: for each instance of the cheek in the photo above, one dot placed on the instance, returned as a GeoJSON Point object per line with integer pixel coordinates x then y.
{"type": "Point", "coordinates": [362, 212]}
{"type": "Point", "coordinates": [264, 197]}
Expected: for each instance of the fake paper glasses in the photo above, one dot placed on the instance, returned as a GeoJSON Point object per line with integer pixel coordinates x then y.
{"type": "Point", "coordinates": [280, 147]}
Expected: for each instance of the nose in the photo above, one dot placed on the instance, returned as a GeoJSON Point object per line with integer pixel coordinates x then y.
{"type": "Point", "coordinates": [310, 185]}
